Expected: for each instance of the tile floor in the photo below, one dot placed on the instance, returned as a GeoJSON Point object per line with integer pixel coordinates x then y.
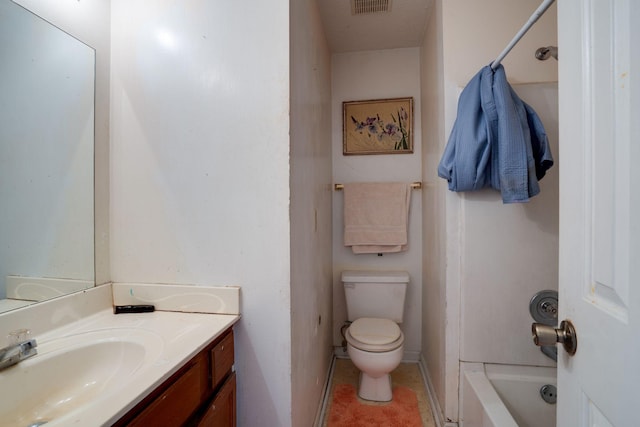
{"type": "Point", "coordinates": [407, 374]}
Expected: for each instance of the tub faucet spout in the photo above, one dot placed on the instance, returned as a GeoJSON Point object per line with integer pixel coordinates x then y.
{"type": "Point", "coordinates": [14, 353]}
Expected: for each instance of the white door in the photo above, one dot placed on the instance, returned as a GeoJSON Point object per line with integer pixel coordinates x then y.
{"type": "Point", "coordinates": [599, 91]}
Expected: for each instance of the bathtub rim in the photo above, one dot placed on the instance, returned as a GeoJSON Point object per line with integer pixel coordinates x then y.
{"type": "Point", "coordinates": [494, 408]}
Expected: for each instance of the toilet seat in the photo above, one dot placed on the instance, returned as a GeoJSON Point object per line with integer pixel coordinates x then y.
{"type": "Point", "coordinates": [374, 335]}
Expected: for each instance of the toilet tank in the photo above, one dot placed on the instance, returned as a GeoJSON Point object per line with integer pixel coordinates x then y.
{"type": "Point", "coordinates": [375, 294]}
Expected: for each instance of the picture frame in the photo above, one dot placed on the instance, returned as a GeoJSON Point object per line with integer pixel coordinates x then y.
{"type": "Point", "coordinates": [378, 126]}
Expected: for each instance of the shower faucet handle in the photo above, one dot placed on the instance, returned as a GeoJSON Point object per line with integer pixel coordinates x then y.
{"type": "Point", "coordinates": [543, 307]}
{"type": "Point", "coordinates": [544, 335]}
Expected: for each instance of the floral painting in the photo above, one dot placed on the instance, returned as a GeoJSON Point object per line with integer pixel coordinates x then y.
{"type": "Point", "coordinates": [383, 126]}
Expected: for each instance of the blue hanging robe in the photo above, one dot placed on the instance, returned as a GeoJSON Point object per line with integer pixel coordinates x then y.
{"type": "Point", "coordinates": [497, 141]}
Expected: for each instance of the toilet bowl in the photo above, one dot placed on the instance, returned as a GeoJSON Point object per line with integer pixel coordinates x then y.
{"type": "Point", "coordinates": [375, 343]}
{"type": "Point", "coordinates": [375, 346]}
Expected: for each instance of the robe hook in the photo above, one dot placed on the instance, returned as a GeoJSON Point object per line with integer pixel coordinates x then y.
{"type": "Point", "coordinates": [543, 53]}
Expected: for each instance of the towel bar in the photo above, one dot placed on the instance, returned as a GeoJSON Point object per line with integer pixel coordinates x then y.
{"type": "Point", "coordinates": [415, 185]}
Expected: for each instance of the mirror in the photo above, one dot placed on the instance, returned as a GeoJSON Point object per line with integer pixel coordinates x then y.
{"type": "Point", "coordinates": [47, 80]}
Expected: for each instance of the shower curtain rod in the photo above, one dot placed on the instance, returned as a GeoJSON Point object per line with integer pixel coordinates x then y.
{"type": "Point", "coordinates": [532, 20]}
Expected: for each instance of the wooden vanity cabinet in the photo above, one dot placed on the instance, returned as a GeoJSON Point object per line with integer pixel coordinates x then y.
{"type": "Point", "coordinates": [202, 393]}
{"type": "Point", "coordinates": [222, 411]}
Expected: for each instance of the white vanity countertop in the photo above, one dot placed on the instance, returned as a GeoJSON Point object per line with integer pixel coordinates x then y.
{"type": "Point", "coordinates": [12, 304]}
{"type": "Point", "coordinates": [176, 336]}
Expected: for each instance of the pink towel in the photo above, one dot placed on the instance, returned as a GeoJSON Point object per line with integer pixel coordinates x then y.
{"type": "Point", "coordinates": [376, 217]}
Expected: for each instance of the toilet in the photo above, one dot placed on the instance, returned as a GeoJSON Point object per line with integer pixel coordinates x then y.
{"type": "Point", "coordinates": [375, 343]}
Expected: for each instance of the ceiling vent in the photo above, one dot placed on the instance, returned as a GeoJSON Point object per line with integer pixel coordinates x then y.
{"type": "Point", "coordinates": [361, 7]}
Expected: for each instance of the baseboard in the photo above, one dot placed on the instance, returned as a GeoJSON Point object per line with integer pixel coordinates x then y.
{"type": "Point", "coordinates": [326, 395]}
{"type": "Point", "coordinates": [438, 415]}
{"type": "Point", "coordinates": [411, 356]}
{"type": "Point", "coordinates": [340, 353]}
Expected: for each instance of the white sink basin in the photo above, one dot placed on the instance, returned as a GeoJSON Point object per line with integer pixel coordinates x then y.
{"type": "Point", "coordinates": [91, 371]}
{"type": "Point", "coordinates": [74, 370]}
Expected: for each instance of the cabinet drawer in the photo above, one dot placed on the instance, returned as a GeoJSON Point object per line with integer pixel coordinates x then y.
{"type": "Point", "coordinates": [174, 406]}
{"type": "Point", "coordinates": [221, 360]}
{"type": "Point", "coordinates": [222, 411]}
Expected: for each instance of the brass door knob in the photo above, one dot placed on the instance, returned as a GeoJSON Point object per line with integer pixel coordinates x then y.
{"type": "Point", "coordinates": [544, 335]}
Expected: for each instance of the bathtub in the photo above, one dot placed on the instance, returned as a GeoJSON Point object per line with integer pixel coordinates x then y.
{"type": "Point", "coordinates": [506, 396]}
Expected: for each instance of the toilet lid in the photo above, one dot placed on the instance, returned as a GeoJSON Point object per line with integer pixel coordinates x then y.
{"type": "Point", "coordinates": [375, 331]}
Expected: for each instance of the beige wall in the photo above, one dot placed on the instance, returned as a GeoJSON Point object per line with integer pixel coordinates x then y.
{"type": "Point", "coordinates": [311, 287]}
{"type": "Point", "coordinates": [475, 32]}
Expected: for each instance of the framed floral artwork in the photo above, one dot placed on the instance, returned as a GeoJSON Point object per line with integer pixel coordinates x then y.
{"type": "Point", "coordinates": [380, 126]}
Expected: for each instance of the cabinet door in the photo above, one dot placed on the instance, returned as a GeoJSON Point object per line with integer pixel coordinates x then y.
{"type": "Point", "coordinates": [222, 411]}
{"type": "Point", "coordinates": [178, 402]}
{"type": "Point", "coordinates": [221, 360]}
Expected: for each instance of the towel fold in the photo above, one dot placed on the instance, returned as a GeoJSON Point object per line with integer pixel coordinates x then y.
{"type": "Point", "coordinates": [376, 217]}
{"type": "Point", "coordinates": [497, 141]}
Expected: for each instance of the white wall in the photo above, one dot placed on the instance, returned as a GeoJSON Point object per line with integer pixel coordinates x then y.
{"type": "Point", "coordinates": [510, 252]}
{"type": "Point", "coordinates": [434, 304]}
{"type": "Point", "coordinates": [90, 22]}
{"type": "Point", "coordinates": [200, 170]}
{"type": "Point", "coordinates": [473, 34]}
{"type": "Point", "coordinates": [311, 273]}
{"type": "Point", "coordinates": [375, 75]}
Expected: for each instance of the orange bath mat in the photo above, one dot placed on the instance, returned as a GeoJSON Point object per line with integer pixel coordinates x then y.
{"type": "Point", "coordinates": [347, 411]}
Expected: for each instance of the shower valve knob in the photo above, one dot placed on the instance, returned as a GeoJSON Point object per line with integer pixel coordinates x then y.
{"type": "Point", "coordinates": [544, 335]}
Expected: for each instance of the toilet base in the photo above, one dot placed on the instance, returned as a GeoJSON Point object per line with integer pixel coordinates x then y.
{"type": "Point", "coordinates": [375, 389]}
